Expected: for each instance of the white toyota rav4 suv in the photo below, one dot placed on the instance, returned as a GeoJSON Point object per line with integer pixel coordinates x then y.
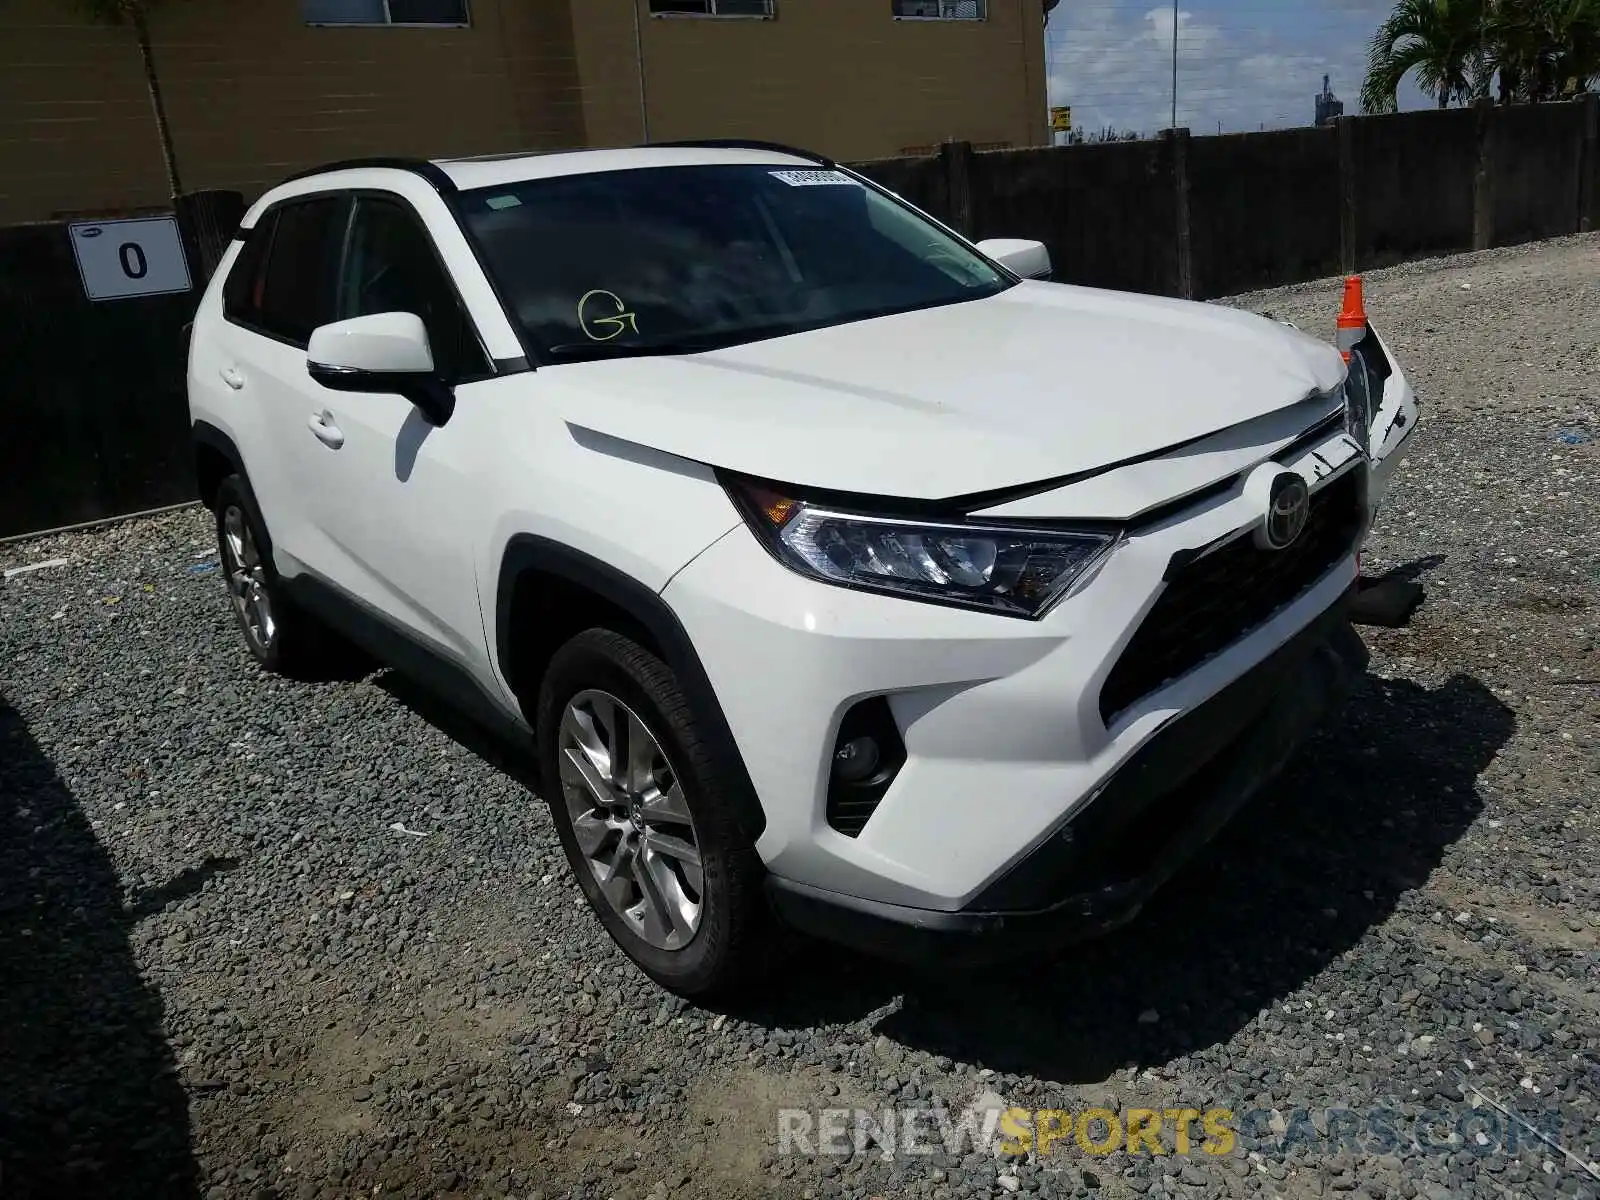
{"type": "Point", "coordinates": [831, 566]}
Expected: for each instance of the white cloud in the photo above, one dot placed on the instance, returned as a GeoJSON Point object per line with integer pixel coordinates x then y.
{"type": "Point", "coordinates": [1114, 66]}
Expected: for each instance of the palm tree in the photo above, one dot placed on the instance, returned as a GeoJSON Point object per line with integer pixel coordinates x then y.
{"type": "Point", "coordinates": [1522, 38]}
{"type": "Point", "coordinates": [1577, 62]}
{"type": "Point", "coordinates": [134, 14]}
{"type": "Point", "coordinates": [1441, 40]}
{"type": "Point", "coordinates": [1550, 49]}
{"type": "Point", "coordinates": [1534, 50]}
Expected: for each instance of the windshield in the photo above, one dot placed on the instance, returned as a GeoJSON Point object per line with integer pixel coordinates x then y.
{"type": "Point", "coordinates": [680, 259]}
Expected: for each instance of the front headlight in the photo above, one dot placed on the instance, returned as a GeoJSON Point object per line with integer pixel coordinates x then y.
{"type": "Point", "coordinates": [1011, 570]}
{"type": "Point", "coordinates": [1358, 402]}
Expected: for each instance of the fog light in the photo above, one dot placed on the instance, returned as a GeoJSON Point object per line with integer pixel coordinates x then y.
{"type": "Point", "coordinates": [867, 755]}
{"type": "Point", "coordinates": [856, 760]}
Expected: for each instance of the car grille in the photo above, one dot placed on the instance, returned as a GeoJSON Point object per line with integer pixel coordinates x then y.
{"type": "Point", "coordinates": [1214, 601]}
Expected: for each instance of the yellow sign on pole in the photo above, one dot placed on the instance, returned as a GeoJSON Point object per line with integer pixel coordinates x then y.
{"type": "Point", "coordinates": [1061, 118]}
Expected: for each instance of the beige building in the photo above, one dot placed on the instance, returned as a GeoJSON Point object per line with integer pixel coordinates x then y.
{"type": "Point", "coordinates": [256, 89]}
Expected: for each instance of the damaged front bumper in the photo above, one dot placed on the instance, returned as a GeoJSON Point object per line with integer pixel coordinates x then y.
{"type": "Point", "coordinates": [1100, 868]}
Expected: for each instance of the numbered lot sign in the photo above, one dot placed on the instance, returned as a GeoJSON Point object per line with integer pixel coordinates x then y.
{"type": "Point", "coordinates": [139, 257]}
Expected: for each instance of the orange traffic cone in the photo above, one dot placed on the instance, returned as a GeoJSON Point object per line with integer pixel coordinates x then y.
{"type": "Point", "coordinates": [1352, 322]}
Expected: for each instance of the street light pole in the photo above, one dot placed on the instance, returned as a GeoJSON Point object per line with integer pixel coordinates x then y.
{"type": "Point", "coordinates": [638, 54]}
{"type": "Point", "coordinates": [1174, 64]}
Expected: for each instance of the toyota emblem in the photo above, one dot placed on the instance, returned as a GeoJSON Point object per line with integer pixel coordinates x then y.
{"type": "Point", "coordinates": [1288, 507]}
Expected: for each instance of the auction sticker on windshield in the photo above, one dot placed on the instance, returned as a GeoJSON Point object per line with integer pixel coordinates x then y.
{"type": "Point", "coordinates": [815, 178]}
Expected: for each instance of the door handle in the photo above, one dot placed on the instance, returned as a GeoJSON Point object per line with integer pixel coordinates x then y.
{"type": "Point", "coordinates": [232, 377]}
{"type": "Point", "coordinates": [321, 424]}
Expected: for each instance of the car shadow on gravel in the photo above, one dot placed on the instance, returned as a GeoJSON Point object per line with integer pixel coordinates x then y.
{"type": "Point", "coordinates": [90, 1102]}
{"type": "Point", "coordinates": [1364, 814]}
{"type": "Point", "coordinates": [1411, 571]}
{"type": "Point", "coordinates": [462, 729]}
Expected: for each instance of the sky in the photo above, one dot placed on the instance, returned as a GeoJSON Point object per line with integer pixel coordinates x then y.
{"type": "Point", "coordinates": [1243, 64]}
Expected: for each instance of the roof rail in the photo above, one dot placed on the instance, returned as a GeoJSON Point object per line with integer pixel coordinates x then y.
{"type": "Point", "coordinates": [744, 144]}
{"type": "Point", "coordinates": [417, 166]}
{"type": "Point", "coordinates": [502, 156]}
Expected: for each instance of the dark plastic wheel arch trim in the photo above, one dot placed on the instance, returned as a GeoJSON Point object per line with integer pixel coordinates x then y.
{"type": "Point", "coordinates": [206, 434]}
{"type": "Point", "coordinates": [530, 553]}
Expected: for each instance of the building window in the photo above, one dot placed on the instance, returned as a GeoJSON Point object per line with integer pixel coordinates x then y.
{"type": "Point", "coordinates": [385, 12]}
{"type": "Point", "coordinates": [941, 10]}
{"type": "Point", "coordinates": [711, 8]}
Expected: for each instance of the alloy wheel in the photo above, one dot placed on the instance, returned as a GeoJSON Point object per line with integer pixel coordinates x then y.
{"type": "Point", "coordinates": [630, 819]}
{"type": "Point", "coordinates": [247, 578]}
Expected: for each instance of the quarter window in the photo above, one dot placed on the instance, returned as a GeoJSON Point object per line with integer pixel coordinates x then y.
{"type": "Point", "coordinates": [712, 8]}
{"type": "Point", "coordinates": [391, 266]}
{"type": "Point", "coordinates": [941, 10]}
{"type": "Point", "coordinates": [385, 12]}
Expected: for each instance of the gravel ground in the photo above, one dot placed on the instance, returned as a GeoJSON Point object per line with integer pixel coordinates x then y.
{"type": "Point", "coordinates": [271, 939]}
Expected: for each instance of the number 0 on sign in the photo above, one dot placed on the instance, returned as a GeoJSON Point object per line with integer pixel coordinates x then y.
{"type": "Point", "coordinates": [139, 257]}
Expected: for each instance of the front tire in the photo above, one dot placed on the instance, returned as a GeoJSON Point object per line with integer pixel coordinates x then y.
{"type": "Point", "coordinates": [642, 815]}
{"type": "Point", "coordinates": [283, 638]}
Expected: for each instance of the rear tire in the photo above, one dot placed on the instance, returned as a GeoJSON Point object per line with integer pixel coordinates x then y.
{"type": "Point", "coordinates": [643, 815]}
{"type": "Point", "coordinates": [281, 636]}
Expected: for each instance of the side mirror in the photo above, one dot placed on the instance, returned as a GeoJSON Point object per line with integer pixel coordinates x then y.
{"type": "Point", "coordinates": [1026, 258]}
{"type": "Point", "coordinates": [386, 353]}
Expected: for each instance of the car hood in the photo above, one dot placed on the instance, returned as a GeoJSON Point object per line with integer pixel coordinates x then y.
{"type": "Point", "coordinates": [1038, 382]}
